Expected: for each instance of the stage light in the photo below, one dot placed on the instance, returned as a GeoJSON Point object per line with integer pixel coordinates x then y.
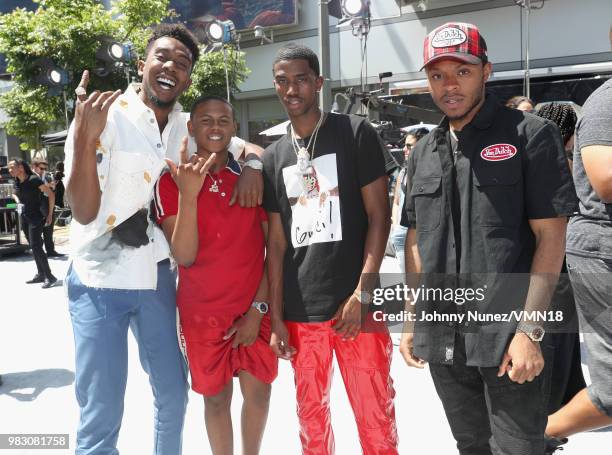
{"type": "Point", "coordinates": [223, 32]}
{"type": "Point", "coordinates": [215, 32]}
{"type": "Point", "coordinates": [113, 51]}
{"type": "Point", "coordinates": [355, 8]}
{"type": "Point", "coordinates": [116, 51]}
{"type": "Point", "coordinates": [55, 76]}
{"type": "Point", "coordinates": [49, 74]}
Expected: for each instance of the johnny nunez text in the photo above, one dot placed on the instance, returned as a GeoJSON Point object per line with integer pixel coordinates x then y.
{"type": "Point", "coordinates": [468, 316]}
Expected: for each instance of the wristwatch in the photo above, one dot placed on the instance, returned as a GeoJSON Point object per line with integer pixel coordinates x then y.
{"type": "Point", "coordinates": [364, 297]}
{"type": "Point", "coordinates": [254, 164]}
{"type": "Point", "coordinates": [262, 307]}
{"type": "Point", "coordinates": [533, 331]}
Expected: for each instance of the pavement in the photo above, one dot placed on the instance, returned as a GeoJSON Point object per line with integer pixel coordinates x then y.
{"type": "Point", "coordinates": [37, 396]}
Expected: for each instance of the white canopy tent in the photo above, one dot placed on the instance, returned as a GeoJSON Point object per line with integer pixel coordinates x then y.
{"type": "Point", "coordinates": [277, 130]}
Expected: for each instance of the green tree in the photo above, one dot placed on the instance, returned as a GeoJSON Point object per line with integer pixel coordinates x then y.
{"type": "Point", "coordinates": [67, 32]}
{"type": "Point", "coordinates": [208, 77]}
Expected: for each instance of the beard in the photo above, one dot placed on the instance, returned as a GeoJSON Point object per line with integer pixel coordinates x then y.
{"type": "Point", "coordinates": [156, 101]}
{"type": "Point", "coordinates": [469, 110]}
{"type": "Point", "coordinates": [479, 96]}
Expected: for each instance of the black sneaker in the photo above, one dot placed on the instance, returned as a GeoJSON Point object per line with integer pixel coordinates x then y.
{"type": "Point", "coordinates": [37, 279]}
{"type": "Point", "coordinates": [49, 282]}
{"type": "Point", "coordinates": [55, 254]}
{"type": "Point", "coordinates": [553, 444]}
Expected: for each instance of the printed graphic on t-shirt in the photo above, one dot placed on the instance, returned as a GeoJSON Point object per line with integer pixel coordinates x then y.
{"type": "Point", "coordinates": [315, 202]}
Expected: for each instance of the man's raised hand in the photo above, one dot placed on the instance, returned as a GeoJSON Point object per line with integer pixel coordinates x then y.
{"type": "Point", "coordinates": [91, 111]}
{"type": "Point", "coordinates": [189, 175]}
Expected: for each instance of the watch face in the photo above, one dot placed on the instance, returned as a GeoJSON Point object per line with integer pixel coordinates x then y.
{"type": "Point", "coordinates": [262, 307]}
{"type": "Point", "coordinates": [537, 334]}
{"type": "Point", "coordinates": [366, 297]}
{"type": "Point", "coordinates": [254, 164]}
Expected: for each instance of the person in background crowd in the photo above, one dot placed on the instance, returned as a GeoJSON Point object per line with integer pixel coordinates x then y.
{"type": "Point", "coordinates": [41, 167]}
{"type": "Point", "coordinates": [58, 177]}
{"type": "Point", "coordinates": [120, 276]}
{"type": "Point", "coordinates": [567, 368]}
{"type": "Point", "coordinates": [398, 232]}
{"type": "Point", "coordinates": [564, 116]}
{"type": "Point", "coordinates": [522, 103]}
{"type": "Point", "coordinates": [29, 190]}
{"type": "Point", "coordinates": [490, 194]}
{"type": "Point", "coordinates": [589, 264]}
{"type": "Point", "coordinates": [326, 195]}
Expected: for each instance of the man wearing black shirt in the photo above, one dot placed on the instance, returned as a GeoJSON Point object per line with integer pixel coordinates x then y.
{"type": "Point", "coordinates": [29, 189]}
{"type": "Point", "coordinates": [490, 194]}
{"type": "Point", "coordinates": [325, 190]}
{"type": "Point", "coordinates": [40, 168]}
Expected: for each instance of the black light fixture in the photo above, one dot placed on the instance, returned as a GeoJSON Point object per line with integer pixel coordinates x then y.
{"type": "Point", "coordinates": [113, 51]}
{"type": "Point", "coordinates": [220, 32]}
{"type": "Point", "coordinates": [49, 74]}
{"type": "Point", "coordinates": [112, 54]}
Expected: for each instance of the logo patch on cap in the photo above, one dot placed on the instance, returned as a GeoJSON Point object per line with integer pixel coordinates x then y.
{"type": "Point", "coordinates": [498, 152]}
{"type": "Point", "coordinates": [448, 37]}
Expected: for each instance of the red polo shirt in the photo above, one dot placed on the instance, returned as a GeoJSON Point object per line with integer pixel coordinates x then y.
{"type": "Point", "coordinates": [229, 265]}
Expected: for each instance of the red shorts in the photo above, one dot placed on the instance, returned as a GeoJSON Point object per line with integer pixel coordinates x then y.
{"type": "Point", "coordinates": [212, 360]}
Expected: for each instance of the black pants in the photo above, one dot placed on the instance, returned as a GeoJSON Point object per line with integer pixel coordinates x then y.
{"type": "Point", "coordinates": [491, 415]}
{"type": "Point", "coordinates": [47, 234]}
{"type": "Point", "coordinates": [35, 236]}
{"type": "Point", "coordinates": [25, 228]}
{"type": "Point", "coordinates": [48, 237]}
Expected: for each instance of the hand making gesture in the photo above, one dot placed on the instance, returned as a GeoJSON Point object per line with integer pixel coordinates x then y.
{"type": "Point", "coordinates": [91, 111]}
{"type": "Point", "coordinates": [189, 175]}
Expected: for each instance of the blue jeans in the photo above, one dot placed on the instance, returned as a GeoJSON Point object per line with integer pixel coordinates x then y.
{"type": "Point", "coordinates": [398, 238]}
{"type": "Point", "coordinates": [100, 321]}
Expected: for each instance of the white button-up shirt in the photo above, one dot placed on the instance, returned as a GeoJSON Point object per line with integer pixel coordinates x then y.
{"type": "Point", "coordinates": [130, 157]}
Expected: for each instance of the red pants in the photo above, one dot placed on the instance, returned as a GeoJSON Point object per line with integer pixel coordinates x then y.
{"type": "Point", "coordinates": [364, 364]}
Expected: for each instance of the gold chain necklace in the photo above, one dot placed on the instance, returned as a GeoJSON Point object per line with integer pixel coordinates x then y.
{"type": "Point", "coordinates": [214, 188]}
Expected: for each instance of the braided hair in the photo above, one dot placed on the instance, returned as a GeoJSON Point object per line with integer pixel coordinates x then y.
{"type": "Point", "coordinates": [562, 115]}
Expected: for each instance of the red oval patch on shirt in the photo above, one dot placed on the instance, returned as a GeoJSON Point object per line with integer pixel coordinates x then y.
{"type": "Point", "coordinates": [498, 152]}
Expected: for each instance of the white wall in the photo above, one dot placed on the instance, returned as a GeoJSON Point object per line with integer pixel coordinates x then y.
{"type": "Point", "coordinates": [571, 27]}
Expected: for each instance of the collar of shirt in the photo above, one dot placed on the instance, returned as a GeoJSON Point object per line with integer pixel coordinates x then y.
{"type": "Point", "coordinates": [482, 120]}
{"type": "Point", "coordinates": [233, 165]}
{"type": "Point", "coordinates": [145, 118]}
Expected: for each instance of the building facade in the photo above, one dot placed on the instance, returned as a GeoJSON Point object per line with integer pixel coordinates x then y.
{"type": "Point", "coordinates": [569, 51]}
{"type": "Point", "coordinates": [568, 43]}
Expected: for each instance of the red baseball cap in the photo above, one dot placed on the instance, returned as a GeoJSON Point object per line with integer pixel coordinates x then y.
{"type": "Point", "coordinates": [457, 40]}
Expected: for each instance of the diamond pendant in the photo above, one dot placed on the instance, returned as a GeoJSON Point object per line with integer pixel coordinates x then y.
{"type": "Point", "coordinates": [303, 161]}
{"type": "Point", "coordinates": [214, 188]}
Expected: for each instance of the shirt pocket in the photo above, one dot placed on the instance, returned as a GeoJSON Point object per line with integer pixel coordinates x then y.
{"type": "Point", "coordinates": [499, 199]}
{"type": "Point", "coordinates": [427, 195]}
